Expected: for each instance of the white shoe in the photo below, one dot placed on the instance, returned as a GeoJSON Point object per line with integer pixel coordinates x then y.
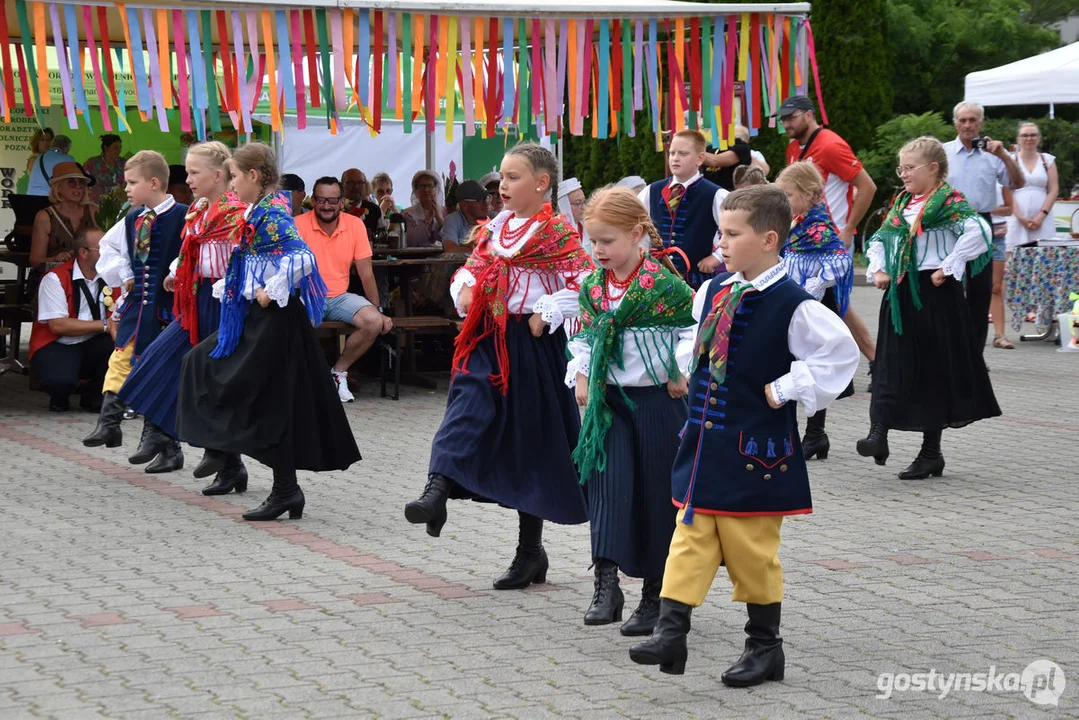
{"type": "Point", "coordinates": [341, 380]}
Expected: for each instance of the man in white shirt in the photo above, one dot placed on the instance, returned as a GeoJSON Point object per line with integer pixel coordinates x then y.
{"type": "Point", "coordinates": [70, 340]}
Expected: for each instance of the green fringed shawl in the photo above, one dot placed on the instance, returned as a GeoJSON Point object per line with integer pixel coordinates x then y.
{"type": "Point", "coordinates": [657, 302]}
{"type": "Point", "coordinates": [942, 219]}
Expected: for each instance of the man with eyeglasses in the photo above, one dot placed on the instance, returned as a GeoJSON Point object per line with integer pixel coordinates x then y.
{"type": "Point", "coordinates": [975, 165]}
{"type": "Point", "coordinates": [358, 192]}
{"type": "Point", "coordinates": [339, 242]}
{"type": "Point", "coordinates": [70, 340]}
{"type": "Point", "coordinates": [848, 189]}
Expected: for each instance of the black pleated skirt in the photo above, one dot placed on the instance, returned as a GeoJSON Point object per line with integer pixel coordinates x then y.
{"type": "Point", "coordinates": [932, 376]}
{"type": "Point", "coordinates": [272, 399]}
{"type": "Point", "coordinates": [154, 383]}
{"type": "Point", "coordinates": [629, 503]}
{"type": "Point", "coordinates": [514, 449]}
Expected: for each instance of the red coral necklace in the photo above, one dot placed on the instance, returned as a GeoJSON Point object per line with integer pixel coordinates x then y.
{"type": "Point", "coordinates": [623, 285]}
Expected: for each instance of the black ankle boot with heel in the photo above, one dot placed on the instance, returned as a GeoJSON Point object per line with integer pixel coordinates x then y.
{"type": "Point", "coordinates": [430, 507]}
{"type": "Point", "coordinates": [170, 459]}
{"type": "Point", "coordinates": [667, 645]}
{"type": "Point", "coordinates": [530, 562]}
{"type": "Point", "coordinates": [152, 442]}
{"type": "Point", "coordinates": [815, 442]}
{"type": "Point", "coordinates": [213, 462]}
{"type": "Point", "coordinates": [643, 619]}
{"type": "Point", "coordinates": [607, 600]}
{"type": "Point", "coordinates": [108, 431]}
{"type": "Point", "coordinates": [763, 657]}
{"type": "Point", "coordinates": [875, 445]}
{"type": "Point", "coordinates": [232, 477]}
{"type": "Point", "coordinates": [286, 496]}
{"type": "Point", "coordinates": [930, 460]}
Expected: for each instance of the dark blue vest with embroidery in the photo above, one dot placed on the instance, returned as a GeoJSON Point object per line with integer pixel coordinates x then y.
{"type": "Point", "coordinates": [739, 456]}
{"type": "Point", "coordinates": [692, 228]}
{"type": "Point", "coordinates": [148, 307]}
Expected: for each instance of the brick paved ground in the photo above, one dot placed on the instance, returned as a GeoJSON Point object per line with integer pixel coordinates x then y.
{"type": "Point", "coordinates": [125, 595]}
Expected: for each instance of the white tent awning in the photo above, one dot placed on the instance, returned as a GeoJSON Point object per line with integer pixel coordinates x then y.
{"type": "Point", "coordinates": [1051, 77]}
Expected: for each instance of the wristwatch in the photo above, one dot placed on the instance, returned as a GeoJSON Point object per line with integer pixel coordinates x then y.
{"type": "Point", "coordinates": [381, 311]}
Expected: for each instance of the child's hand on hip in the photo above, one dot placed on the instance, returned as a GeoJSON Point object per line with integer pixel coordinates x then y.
{"type": "Point", "coordinates": [882, 280]}
{"type": "Point", "coordinates": [678, 388]}
{"type": "Point", "coordinates": [537, 324]}
{"type": "Point", "coordinates": [937, 277]}
{"type": "Point", "coordinates": [262, 297]}
{"type": "Point", "coordinates": [464, 299]}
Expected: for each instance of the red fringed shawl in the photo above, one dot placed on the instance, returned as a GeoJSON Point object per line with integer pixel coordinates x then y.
{"type": "Point", "coordinates": [223, 220]}
{"type": "Point", "coordinates": [554, 248]}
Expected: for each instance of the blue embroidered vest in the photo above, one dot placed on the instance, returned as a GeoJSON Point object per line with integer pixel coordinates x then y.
{"type": "Point", "coordinates": [692, 228]}
{"type": "Point", "coordinates": [148, 308]}
{"type": "Point", "coordinates": [738, 455]}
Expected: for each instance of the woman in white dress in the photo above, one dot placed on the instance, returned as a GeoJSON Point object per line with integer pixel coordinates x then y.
{"type": "Point", "coordinates": [1034, 201]}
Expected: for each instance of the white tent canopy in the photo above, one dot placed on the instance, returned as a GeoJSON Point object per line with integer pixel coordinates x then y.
{"type": "Point", "coordinates": [1045, 79]}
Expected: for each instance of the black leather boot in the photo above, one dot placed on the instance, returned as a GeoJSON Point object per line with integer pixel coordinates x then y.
{"type": "Point", "coordinates": [607, 600]}
{"type": "Point", "coordinates": [168, 460]}
{"type": "Point", "coordinates": [930, 460]}
{"type": "Point", "coordinates": [430, 507]}
{"type": "Point", "coordinates": [667, 645]}
{"type": "Point", "coordinates": [816, 441]}
{"type": "Point", "coordinates": [152, 442]}
{"type": "Point", "coordinates": [763, 657]}
{"type": "Point", "coordinates": [643, 619]}
{"type": "Point", "coordinates": [875, 444]}
{"type": "Point", "coordinates": [530, 563]}
{"type": "Point", "coordinates": [286, 496]}
{"type": "Point", "coordinates": [232, 477]}
{"type": "Point", "coordinates": [108, 431]}
{"type": "Point", "coordinates": [213, 462]}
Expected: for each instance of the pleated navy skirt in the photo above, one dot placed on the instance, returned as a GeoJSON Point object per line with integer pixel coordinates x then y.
{"type": "Point", "coordinates": [272, 399]}
{"type": "Point", "coordinates": [629, 503]}
{"type": "Point", "coordinates": [514, 449]}
{"type": "Point", "coordinates": [154, 382]}
{"type": "Point", "coordinates": [932, 376]}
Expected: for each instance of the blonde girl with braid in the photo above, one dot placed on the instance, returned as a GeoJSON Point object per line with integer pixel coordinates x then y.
{"type": "Point", "coordinates": [510, 424]}
{"type": "Point", "coordinates": [629, 366]}
{"type": "Point", "coordinates": [210, 233]}
{"type": "Point", "coordinates": [258, 385]}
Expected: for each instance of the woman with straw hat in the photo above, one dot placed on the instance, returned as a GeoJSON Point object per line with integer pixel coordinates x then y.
{"type": "Point", "coordinates": [57, 226]}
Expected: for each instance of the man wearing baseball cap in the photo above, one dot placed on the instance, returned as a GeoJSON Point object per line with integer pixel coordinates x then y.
{"type": "Point", "coordinates": [848, 189]}
{"type": "Point", "coordinates": [471, 208]}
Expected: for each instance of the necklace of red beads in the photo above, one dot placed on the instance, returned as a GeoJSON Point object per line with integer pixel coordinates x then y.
{"type": "Point", "coordinates": [509, 237]}
{"type": "Point", "coordinates": [622, 285]}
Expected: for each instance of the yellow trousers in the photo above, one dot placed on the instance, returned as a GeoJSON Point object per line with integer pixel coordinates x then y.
{"type": "Point", "coordinates": [749, 546]}
{"type": "Point", "coordinates": [119, 368]}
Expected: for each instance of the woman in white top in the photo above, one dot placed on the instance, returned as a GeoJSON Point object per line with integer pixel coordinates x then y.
{"type": "Point", "coordinates": [929, 373]}
{"type": "Point", "coordinates": [1034, 201]}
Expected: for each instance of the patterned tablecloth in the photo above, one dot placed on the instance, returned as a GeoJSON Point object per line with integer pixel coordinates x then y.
{"type": "Point", "coordinates": [1039, 279]}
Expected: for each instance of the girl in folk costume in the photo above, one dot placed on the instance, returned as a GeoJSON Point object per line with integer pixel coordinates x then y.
{"type": "Point", "coordinates": [629, 366]}
{"type": "Point", "coordinates": [510, 425]}
{"type": "Point", "coordinates": [258, 386]}
{"type": "Point", "coordinates": [211, 232]}
{"type": "Point", "coordinates": [817, 259]}
{"type": "Point", "coordinates": [931, 375]}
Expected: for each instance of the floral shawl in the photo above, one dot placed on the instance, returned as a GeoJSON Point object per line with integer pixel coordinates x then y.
{"type": "Point", "coordinates": [814, 246]}
{"type": "Point", "coordinates": [658, 301]}
{"type": "Point", "coordinates": [553, 249]}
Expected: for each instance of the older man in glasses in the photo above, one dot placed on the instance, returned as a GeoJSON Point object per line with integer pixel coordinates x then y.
{"type": "Point", "coordinates": [340, 242]}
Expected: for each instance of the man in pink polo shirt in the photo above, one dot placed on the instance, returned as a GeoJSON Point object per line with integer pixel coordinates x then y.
{"type": "Point", "coordinates": [340, 242]}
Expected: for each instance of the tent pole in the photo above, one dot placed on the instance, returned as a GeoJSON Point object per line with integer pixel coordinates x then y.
{"type": "Point", "coordinates": [1052, 111]}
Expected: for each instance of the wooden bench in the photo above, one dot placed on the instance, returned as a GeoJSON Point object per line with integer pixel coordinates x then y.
{"type": "Point", "coordinates": [390, 344]}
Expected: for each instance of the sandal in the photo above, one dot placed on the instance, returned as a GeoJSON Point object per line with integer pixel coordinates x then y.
{"type": "Point", "coordinates": [1003, 343]}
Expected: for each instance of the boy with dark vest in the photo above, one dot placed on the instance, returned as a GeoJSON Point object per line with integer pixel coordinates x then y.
{"type": "Point", "coordinates": [685, 209]}
{"type": "Point", "coordinates": [763, 344]}
{"type": "Point", "coordinates": [136, 255]}
{"type": "Point", "coordinates": [70, 340]}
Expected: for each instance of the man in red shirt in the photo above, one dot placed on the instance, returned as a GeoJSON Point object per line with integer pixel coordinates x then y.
{"type": "Point", "coordinates": [848, 189]}
{"type": "Point", "coordinates": [339, 242]}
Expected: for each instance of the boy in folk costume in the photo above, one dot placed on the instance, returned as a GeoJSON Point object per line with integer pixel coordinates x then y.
{"type": "Point", "coordinates": [763, 344]}
{"type": "Point", "coordinates": [135, 255]}
{"type": "Point", "coordinates": [685, 209]}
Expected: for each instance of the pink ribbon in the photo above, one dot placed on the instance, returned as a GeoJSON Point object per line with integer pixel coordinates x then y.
{"type": "Point", "coordinates": [391, 36]}
{"type": "Point", "coordinates": [65, 70]}
{"type": "Point", "coordinates": [577, 121]}
{"type": "Point", "coordinates": [257, 61]}
{"type": "Point", "coordinates": [337, 43]}
{"type": "Point", "coordinates": [182, 76]}
{"type": "Point", "coordinates": [816, 72]}
{"type": "Point", "coordinates": [297, 69]}
{"type": "Point", "coordinates": [563, 54]}
{"type": "Point", "coordinates": [550, 74]}
{"type": "Point", "coordinates": [156, 85]}
{"type": "Point", "coordinates": [241, 70]}
{"type": "Point", "coordinates": [638, 65]}
{"type": "Point", "coordinates": [465, 26]}
{"type": "Point", "coordinates": [91, 45]}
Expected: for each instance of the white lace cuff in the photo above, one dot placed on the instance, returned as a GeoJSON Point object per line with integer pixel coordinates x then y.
{"type": "Point", "coordinates": [461, 279]}
{"type": "Point", "coordinates": [547, 307]}
{"type": "Point", "coordinates": [576, 364]}
{"type": "Point", "coordinates": [279, 288]}
{"type": "Point", "coordinates": [815, 286]}
{"type": "Point", "coordinates": [954, 266]}
{"type": "Point", "coordinates": [218, 289]}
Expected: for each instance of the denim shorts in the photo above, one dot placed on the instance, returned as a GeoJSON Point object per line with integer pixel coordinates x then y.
{"type": "Point", "coordinates": [343, 307]}
{"type": "Point", "coordinates": [1000, 246]}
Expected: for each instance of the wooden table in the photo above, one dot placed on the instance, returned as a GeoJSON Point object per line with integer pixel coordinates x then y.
{"type": "Point", "coordinates": [410, 268]}
{"type": "Point", "coordinates": [405, 253]}
{"type": "Point", "coordinates": [15, 309]}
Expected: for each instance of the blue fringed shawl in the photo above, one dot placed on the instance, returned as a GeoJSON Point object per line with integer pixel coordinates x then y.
{"type": "Point", "coordinates": [814, 249]}
{"type": "Point", "coordinates": [269, 244]}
